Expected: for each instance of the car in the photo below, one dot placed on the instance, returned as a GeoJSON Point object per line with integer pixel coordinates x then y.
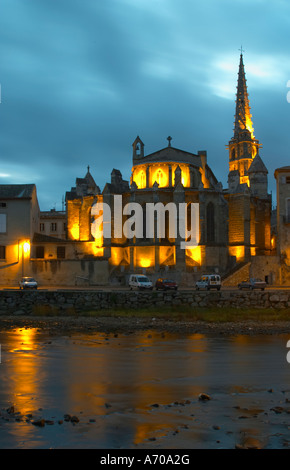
{"type": "Point", "coordinates": [28, 283]}
{"type": "Point", "coordinates": [252, 284]}
{"type": "Point", "coordinates": [140, 281]}
{"type": "Point", "coordinates": [165, 284]}
{"type": "Point", "coordinates": [209, 281]}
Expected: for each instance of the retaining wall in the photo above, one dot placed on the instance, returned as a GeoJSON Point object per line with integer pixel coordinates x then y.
{"type": "Point", "coordinates": [73, 302]}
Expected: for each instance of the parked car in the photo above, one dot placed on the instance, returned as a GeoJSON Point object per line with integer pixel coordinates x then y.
{"type": "Point", "coordinates": [252, 284]}
{"type": "Point", "coordinates": [165, 284]}
{"type": "Point", "coordinates": [209, 281]}
{"type": "Point", "coordinates": [28, 283]}
{"type": "Point", "coordinates": [140, 281]}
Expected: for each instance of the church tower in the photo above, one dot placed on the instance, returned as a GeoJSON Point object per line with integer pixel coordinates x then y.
{"type": "Point", "coordinates": [248, 200]}
{"type": "Point", "coordinates": [243, 147]}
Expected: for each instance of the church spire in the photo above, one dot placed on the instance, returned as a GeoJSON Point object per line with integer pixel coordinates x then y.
{"type": "Point", "coordinates": [243, 117]}
{"type": "Point", "coordinates": [243, 147]}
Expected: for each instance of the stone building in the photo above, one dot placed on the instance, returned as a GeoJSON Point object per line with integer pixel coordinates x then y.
{"type": "Point", "coordinates": [282, 176]}
{"type": "Point", "coordinates": [53, 223]}
{"type": "Point", "coordinates": [249, 203]}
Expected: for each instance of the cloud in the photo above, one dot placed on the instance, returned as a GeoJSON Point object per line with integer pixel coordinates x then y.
{"type": "Point", "coordinates": [81, 79]}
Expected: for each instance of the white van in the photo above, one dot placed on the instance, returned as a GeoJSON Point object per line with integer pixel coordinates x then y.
{"type": "Point", "coordinates": [140, 281]}
{"type": "Point", "coordinates": [209, 281]}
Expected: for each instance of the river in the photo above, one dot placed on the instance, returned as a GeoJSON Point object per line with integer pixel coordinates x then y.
{"type": "Point", "coordinates": [142, 390]}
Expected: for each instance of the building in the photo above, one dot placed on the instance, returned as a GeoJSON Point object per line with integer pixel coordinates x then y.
{"type": "Point", "coordinates": [53, 223]}
{"type": "Point", "coordinates": [234, 223]}
{"type": "Point", "coordinates": [19, 221]}
{"type": "Point", "coordinates": [282, 176]}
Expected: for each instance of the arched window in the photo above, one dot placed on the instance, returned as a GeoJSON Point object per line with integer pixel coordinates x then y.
{"type": "Point", "coordinates": [143, 180]}
{"type": "Point", "coordinates": [210, 225]}
{"type": "Point", "coordinates": [159, 177]}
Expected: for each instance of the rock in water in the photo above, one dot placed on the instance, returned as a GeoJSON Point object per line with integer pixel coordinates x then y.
{"type": "Point", "coordinates": [204, 397]}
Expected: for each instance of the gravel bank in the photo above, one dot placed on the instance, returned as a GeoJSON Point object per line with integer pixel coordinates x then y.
{"type": "Point", "coordinates": [69, 325]}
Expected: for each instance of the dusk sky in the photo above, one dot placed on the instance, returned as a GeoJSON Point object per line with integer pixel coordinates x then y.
{"type": "Point", "coordinates": [80, 79]}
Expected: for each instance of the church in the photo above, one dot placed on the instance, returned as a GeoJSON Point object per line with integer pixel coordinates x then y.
{"type": "Point", "coordinates": [234, 224]}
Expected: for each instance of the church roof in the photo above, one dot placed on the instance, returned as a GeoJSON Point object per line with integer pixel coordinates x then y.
{"type": "Point", "coordinates": [84, 187]}
{"type": "Point", "coordinates": [90, 180]}
{"type": "Point", "coordinates": [257, 165]}
{"type": "Point", "coordinates": [169, 154]}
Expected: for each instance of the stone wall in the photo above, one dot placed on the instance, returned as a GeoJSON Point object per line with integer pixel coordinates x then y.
{"type": "Point", "coordinates": [64, 302]}
{"type": "Point", "coordinates": [238, 276]}
{"type": "Point", "coordinates": [268, 267]}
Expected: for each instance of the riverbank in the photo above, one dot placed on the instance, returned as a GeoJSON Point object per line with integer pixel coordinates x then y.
{"type": "Point", "coordinates": [114, 324]}
{"type": "Point", "coordinates": [83, 303]}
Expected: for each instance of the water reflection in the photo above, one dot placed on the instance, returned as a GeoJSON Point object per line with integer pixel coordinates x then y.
{"type": "Point", "coordinates": [24, 369]}
{"type": "Point", "coordinates": [139, 386]}
{"type": "Point", "coordinates": [24, 339]}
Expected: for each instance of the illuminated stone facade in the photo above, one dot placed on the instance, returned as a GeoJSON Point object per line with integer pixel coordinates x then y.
{"type": "Point", "coordinates": [234, 223]}
{"type": "Point", "coordinates": [249, 203]}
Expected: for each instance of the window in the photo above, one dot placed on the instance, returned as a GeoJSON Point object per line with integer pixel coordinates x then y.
{"type": "Point", "coordinates": [39, 252]}
{"type": "Point", "coordinates": [3, 218]}
{"type": "Point", "coordinates": [60, 252]}
{"type": "Point", "coordinates": [2, 252]}
{"type": "Point", "coordinates": [285, 179]}
{"type": "Point", "coordinates": [41, 227]}
{"type": "Point", "coordinates": [53, 226]}
{"type": "Point", "coordinates": [2, 204]}
{"type": "Point", "coordinates": [143, 180]}
{"type": "Point", "coordinates": [210, 226]}
{"type": "Point", "coordinates": [159, 177]}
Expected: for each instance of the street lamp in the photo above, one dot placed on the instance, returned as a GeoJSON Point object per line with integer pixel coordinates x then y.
{"type": "Point", "coordinates": [25, 250]}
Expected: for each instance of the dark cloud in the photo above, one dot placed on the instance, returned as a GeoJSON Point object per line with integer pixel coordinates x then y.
{"type": "Point", "coordinates": [80, 79]}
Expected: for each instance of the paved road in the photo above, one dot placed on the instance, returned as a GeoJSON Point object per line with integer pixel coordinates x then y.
{"type": "Point", "coordinates": [124, 288]}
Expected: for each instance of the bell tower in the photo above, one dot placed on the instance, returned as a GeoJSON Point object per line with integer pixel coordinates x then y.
{"type": "Point", "coordinates": [243, 147]}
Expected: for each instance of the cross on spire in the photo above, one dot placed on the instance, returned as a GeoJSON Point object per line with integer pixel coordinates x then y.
{"type": "Point", "coordinates": [242, 50]}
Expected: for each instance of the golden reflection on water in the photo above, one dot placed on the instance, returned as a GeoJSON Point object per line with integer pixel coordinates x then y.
{"type": "Point", "coordinates": [129, 374]}
{"type": "Point", "coordinates": [144, 430]}
{"type": "Point", "coordinates": [24, 369]}
{"type": "Point", "coordinates": [23, 376]}
{"type": "Point", "coordinates": [24, 339]}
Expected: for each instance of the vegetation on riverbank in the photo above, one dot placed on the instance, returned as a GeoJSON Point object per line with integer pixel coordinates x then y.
{"type": "Point", "coordinates": [175, 313]}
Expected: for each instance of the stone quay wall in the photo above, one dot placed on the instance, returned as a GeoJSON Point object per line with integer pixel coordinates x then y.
{"type": "Point", "coordinates": [76, 302]}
